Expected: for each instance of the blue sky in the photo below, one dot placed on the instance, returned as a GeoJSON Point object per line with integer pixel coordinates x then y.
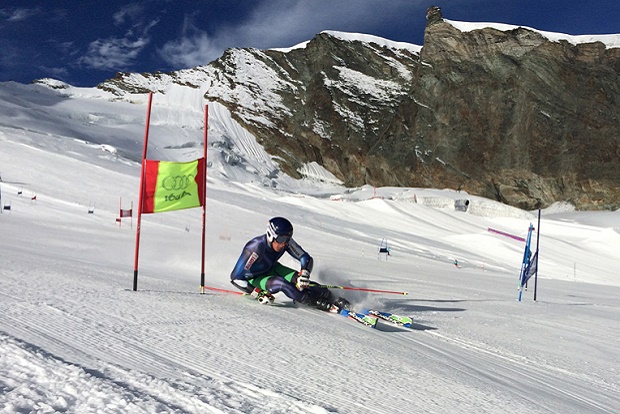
{"type": "Point", "coordinates": [86, 42]}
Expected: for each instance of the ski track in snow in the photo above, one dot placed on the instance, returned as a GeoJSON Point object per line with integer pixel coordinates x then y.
{"type": "Point", "coordinates": [169, 348]}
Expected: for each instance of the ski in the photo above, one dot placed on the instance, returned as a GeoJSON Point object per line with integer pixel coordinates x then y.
{"type": "Point", "coordinates": [390, 317]}
{"type": "Point", "coordinates": [367, 317]}
{"type": "Point", "coordinates": [364, 319]}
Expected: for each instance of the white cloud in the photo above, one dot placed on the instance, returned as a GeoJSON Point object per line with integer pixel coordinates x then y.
{"type": "Point", "coordinates": [113, 53]}
{"type": "Point", "coordinates": [18, 14]}
{"type": "Point", "coordinates": [118, 53]}
{"type": "Point", "coordinates": [193, 48]}
{"type": "Point", "coordinates": [55, 72]}
{"type": "Point", "coordinates": [130, 11]}
{"type": "Point", "coordinates": [188, 51]}
{"type": "Point", "coordinates": [281, 23]}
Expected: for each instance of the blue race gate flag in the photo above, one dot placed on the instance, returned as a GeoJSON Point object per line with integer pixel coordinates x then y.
{"type": "Point", "coordinates": [526, 260]}
{"type": "Point", "coordinates": [530, 270]}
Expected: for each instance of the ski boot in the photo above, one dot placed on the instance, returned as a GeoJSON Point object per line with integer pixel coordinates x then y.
{"type": "Point", "coordinates": [321, 300]}
{"type": "Point", "coordinates": [262, 296]}
{"type": "Point", "coordinates": [327, 306]}
{"type": "Point", "coordinates": [342, 304]}
{"type": "Point", "coordinates": [333, 305]}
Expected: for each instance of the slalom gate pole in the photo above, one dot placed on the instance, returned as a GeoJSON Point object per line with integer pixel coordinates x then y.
{"type": "Point", "coordinates": [360, 289]}
{"type": "Point", "coordinates": [204, 202]}
{"type": "Point", "coordinates": [537, 245]}
{"type": "Point", "coordinates": [141, 192]}
{"type": "Point", "coordinates": [236, 292]}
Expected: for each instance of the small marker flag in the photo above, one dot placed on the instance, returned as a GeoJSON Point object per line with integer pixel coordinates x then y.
{"type": "Point", "coordinates": [170, 186]}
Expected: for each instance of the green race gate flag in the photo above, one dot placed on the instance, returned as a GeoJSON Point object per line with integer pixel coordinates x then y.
{"type": "Point", "coordinates": [170, 186]}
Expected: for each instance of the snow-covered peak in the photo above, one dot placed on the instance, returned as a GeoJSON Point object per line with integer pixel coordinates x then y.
{"type": "Point", "coordinates": [52, 83]}
{"type": "Point", "coordinates": [374, 39]}
{"type": "Point", "coordinates": [609, 40]}
{"type": "Point", "coordinates": [361, 38]}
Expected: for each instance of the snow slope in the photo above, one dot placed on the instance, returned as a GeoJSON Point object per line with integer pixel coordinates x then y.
{"type": "Point", "coordinates": [75, 338]}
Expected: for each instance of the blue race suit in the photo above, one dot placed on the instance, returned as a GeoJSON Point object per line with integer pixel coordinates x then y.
{"type": "Point", "coordinates": [258, 265]}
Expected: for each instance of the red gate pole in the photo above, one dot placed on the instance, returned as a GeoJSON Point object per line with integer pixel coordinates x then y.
{"type": "Point", "coordinates": [140, 194]}
{"type": "Point", "coordinates": [204, 201]}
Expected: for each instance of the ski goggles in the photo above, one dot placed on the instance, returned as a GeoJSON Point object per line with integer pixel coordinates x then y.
{"type": "Point", "coordinates": [283, 238]}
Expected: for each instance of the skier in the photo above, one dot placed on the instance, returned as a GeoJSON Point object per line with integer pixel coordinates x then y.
{"type": "Point", "coordinates": [259, 273]}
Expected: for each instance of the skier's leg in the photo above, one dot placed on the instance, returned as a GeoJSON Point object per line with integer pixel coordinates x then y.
{"type": "Point", "coordinates": [277, 283]}
{"type": "Point", "coordinates": [284, 280]}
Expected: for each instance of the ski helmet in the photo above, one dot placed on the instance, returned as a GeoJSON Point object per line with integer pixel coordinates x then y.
{"type": "Point", "coordinates": [280, 230]}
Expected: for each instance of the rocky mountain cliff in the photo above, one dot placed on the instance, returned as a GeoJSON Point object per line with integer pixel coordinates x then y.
{"type": "Point", "coordinates": [506, 114]}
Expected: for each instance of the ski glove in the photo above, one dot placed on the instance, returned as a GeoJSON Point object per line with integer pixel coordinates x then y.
{"type": "Point", "coordinates": [303, 280]}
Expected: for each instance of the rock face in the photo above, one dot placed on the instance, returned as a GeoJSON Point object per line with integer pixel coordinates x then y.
{"type": "Point", "coordinates": [508, 115]}
{"type": "Point", "coordinates": [529, 121]}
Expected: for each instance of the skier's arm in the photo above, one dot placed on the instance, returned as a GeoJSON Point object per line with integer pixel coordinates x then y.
{"type": "Point", "coordinates": [305, 260]}
{"type": "Point", "coordinates": [244, 263]}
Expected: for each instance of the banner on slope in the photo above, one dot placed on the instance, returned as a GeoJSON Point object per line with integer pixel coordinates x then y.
{"type": "Point", "coordinates": [170, 186]}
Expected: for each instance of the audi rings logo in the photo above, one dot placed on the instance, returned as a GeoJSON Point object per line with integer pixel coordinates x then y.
{"type": "Point", "coordinates": [177, 182]}
{"type": "Point", "coordinates": [177, 187]}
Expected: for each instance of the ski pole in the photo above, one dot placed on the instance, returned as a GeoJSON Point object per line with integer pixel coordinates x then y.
{"type": "Point", "coordinates": [356, 288]}
{"type": "Point", "coordinates": [236, 292]}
